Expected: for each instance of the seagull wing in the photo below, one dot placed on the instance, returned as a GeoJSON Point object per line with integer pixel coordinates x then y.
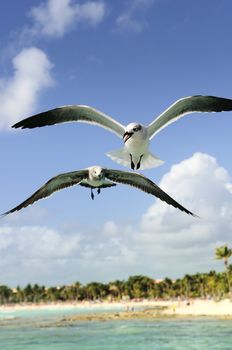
{"type": "Point", "coordinates": [144, 184]}
{"type": "Point", "coordinates": [73, 113]}
{"type": "Point", "coordinates": [55, 184]}
{"type": "Point", "coordinates": [188, 105]}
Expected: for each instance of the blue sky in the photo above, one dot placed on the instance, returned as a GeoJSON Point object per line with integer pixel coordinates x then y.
{"type": "Point", "coordinates": [130, 59]}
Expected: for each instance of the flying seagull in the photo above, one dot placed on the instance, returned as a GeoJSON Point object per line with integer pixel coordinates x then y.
{"type": "Point", "coordinates": [96, 177]}
{"type": "Point", "coordinates": [136, 136]}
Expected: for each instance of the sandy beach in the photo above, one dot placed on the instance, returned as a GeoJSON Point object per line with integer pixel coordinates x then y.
{"type": "Point", "coordinates": [195, 307]}
{"type": "Point", "coordinates": [201, 308]}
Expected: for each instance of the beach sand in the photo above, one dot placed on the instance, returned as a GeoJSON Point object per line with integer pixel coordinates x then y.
{"type": "Point", "coordinates": [194, 307]}
{"type": "Point", "coordinates": [199, 307]}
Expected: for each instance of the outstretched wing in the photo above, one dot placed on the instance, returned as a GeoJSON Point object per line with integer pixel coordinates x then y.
{"type": "Point", "coordinates": [144, 184]}
{"type": "Point", "coordinates": [188, 105]}
{"type": "Point", "coordinates": [73, 113]}
{"type": "Point", "coordinates": [55, 184]}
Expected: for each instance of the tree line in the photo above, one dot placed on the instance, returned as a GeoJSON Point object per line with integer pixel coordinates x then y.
{"type": "Point", "coordinates": [215, 285]}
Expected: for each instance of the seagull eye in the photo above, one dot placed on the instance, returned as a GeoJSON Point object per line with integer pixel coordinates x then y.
{"type": "Point", "coordinates": [137, 128]}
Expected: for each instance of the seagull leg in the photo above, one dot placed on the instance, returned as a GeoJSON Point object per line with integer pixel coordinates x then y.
{"type": "Point", "coordinates": [92, 195]}
{"type": "Point", "coordinates": [98, 190]}
{"type": "Point", "coordinates": [138, 165]}
{"type": "Point", "coordinates": [132, 163]}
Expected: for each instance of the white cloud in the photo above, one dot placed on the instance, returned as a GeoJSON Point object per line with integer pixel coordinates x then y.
{"type": "Point", "coordinates": [110, 228]}
{"type": "Point", "coordinates": [20, 92]}
{"type": "Point", "coordinates": [165, 242]}
{"type": "Point", "coordinates": [30, 252]}
{"type": "Point", "coordinates": [182, 243]}
{"type": "Point", "coordinates": [31, 67]}
{"type": "Point", "coordinates": [38, 242]}
{"type": "Point", "coordinates": [126, 22]}
{"type": "Point", "coordinates": [55, 17]}
{"type": "Point", "coordinates": [51, 256]}
{"type": "Point", "coordinates": [131, 19]}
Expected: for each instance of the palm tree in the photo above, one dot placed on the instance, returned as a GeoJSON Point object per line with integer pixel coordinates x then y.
{"type": "Point", "coordinates": [139, 286]}
{"type": "Point", "coordinates": [200, 284]}
{"type": "Point", "coordinates": [52, 294]}
{"type": "Point", "coordinates": [224, 253]}
{"type": "Point", "coordinates": [116, 289]}
{"type": "Point", "coordinates": [96, 290]}
{"type": "Point", "coordinates": [20, 296]}
{"type": "Point", "coordinates": [5, 294]}
{"type": "Point", "coordinates": [28, 292]}
{"type": "Point", "coordinates": [167, 288]}
{"type": "Point", "coordinates": [77, 290]}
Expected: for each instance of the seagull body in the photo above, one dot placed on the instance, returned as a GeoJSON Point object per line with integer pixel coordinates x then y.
{"type": "Point", "coordinates": [98, 177]}
{"type": "Point", "coordinates": [95, 179]}
{"type": "Point", "coordinates": [136, 144]}
{"type": "Point", "coordinates": [136, 136]}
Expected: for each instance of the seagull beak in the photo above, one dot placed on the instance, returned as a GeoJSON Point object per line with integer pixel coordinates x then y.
{"type": "Point", "coordinates": [127, 135]}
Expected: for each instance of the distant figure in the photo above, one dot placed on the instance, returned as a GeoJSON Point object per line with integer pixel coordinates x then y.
{"type": "Point", "coordinates": [174, 308]}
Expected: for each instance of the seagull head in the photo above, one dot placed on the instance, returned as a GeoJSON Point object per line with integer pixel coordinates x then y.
{"type": "Point", "coordinates": [132, 129]}
{"type": "Point", "coordinates": [96, 173]}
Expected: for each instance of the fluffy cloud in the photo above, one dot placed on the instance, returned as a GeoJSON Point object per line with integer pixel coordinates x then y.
{"type": "Point", "coordinates": [130, 20]}
{"type": "Point", "coordinates": [31, 67]}
{"type": "Point", "coordinates": [54, 18]}
{"type": "Point", "coordinates": [33, 253]}
{"type": "Point", "coordinates": [19, 93]}
{"type": "Point", "coordinates": [181, 243]}
{"type": "Point", "coordinates": [165, 242]}
{"type": "Point", "coordinates": [126, 22]}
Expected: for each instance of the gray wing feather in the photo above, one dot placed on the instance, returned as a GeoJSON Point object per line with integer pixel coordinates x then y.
{"type": "Point", "coordinates": [144, 184]}
{"type": "Point", "coordinates": [188, 105]}
{"type": "Point", "coordinates": [73, 113]}
{"type": "Point", "coordinates": [55, 184]}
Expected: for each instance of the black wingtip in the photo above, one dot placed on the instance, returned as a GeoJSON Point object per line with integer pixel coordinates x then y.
{"type": "Point", "coordinates": [20, 125]}
{"type": "Point", "coordinates": [184, 210]}
{"type": "Point", "coordinates": [17, 125]}
{"type": "Point", "coordinates": [192, 214]}
{"type": "Point", "coordinates": [11, 211]}
{"type": "Point", "coordinates": [4, 214]}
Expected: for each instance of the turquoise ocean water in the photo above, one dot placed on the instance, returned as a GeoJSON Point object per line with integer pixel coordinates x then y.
{"type": "Point", "coordinates": [38, 330]}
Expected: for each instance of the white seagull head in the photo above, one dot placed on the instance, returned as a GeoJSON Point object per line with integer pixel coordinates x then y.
{"type": "Point", "coordinates": [133, 129]}
{"type": "Point", "coordinates": [96, 172]}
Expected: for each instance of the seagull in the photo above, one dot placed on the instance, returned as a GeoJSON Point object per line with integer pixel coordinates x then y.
{"type": "Point", "coordinates": [136, 136]}
{"type": "Point", "coordinates": [96, 177]}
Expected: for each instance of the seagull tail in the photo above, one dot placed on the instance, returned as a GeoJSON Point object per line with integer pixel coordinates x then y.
{"type": "Point", "coordinates": [120, 156]}
{"type": "Point", "coordinates": [149, 160]}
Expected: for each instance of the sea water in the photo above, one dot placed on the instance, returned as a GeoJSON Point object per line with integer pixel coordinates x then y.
{"type": "Point", "coordinates": [45, 332]}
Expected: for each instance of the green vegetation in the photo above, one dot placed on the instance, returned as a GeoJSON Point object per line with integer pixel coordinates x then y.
{"type": "Point", "coordinates": [200, 285]}
{"type": "Point", "coordinates": [224, 253]}
{"type": "Point", "coordinates": [212, 284]}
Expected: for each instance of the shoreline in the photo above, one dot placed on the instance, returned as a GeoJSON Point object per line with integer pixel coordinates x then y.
{"type": "Point", "coordinates": [79, 305]}
{"type": "Point", "coordinates": [193, 307]}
